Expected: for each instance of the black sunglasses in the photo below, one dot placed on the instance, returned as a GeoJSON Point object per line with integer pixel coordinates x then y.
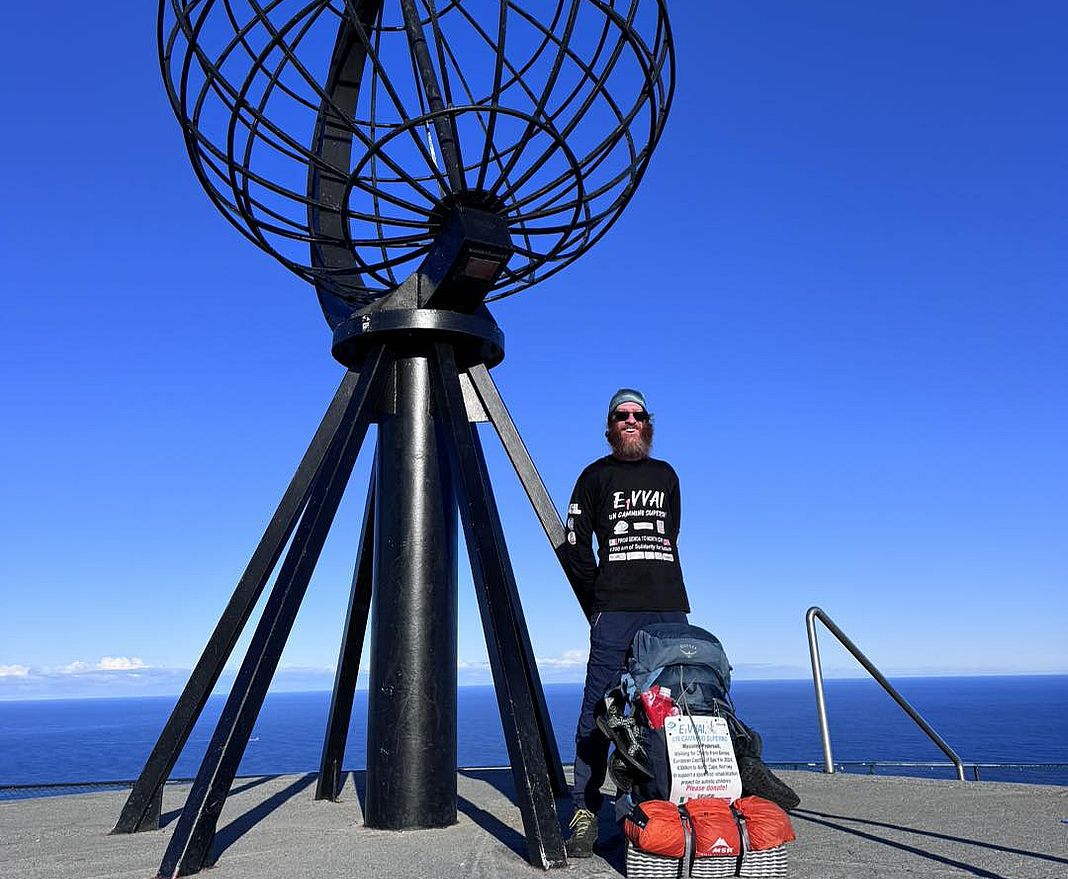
{"type": "Point", "coordinates": [620, 417]}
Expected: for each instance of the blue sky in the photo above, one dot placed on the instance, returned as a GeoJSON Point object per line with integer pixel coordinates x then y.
{"type": "Point", "coordinates": [841, 287]}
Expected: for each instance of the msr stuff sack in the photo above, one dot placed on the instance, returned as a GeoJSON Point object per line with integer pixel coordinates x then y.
{"type": "Point", "coordinates": [716, 830]}
{"type": "Point", "coordinates": [655, 827]}
{"type": "Point", "coordinates": [657, 842]}
{"type": "Point", "coordinates": [767, 825]}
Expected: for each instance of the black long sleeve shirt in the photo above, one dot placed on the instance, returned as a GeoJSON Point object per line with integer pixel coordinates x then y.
{"type": "Point", "coordinates": [633, 509]}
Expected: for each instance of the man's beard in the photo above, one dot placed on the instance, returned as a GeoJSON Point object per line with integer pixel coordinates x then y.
{"type": "Point", "coordinates": [630, 447]}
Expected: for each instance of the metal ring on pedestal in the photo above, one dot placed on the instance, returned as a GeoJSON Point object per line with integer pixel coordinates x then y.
{"type": "Point", "coordinates": [476, 339]}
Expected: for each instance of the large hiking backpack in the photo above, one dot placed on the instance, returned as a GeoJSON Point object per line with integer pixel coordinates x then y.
{"type": "Point", "coordinates": [692, 664]}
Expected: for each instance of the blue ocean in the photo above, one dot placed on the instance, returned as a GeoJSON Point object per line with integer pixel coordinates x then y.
{"type": "Point", "coordinates": [1020, 719]}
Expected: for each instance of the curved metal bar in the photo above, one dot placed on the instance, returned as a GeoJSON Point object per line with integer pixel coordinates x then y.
{"type": "Point", "coordinates": [816, 613]}
{"type": "Point", "coordinates": [438, 95]}
{"type": "Point", "coordinates": [333, 142]}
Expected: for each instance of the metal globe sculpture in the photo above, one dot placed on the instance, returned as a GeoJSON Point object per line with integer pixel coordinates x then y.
{"type": "Point", "coordinates": [413, 159]}
{"type": "Point", "coordinates": [336, 134]}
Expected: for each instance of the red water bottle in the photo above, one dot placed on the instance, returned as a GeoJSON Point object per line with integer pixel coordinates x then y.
{"type": "Point", "coordinates": [658, 704]}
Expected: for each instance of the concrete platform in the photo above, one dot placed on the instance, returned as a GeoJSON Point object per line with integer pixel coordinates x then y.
{"type": "Point", "coordinates": [848, 827]}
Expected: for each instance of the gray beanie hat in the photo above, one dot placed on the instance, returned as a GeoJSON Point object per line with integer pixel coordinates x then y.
{"type": "Point", "coordinates": [626, 395]}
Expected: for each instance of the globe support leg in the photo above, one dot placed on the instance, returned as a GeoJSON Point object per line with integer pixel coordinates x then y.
{"type": "Point", "coordinates": [142, 808]}
{"type": "Point", "coordinates": [189, 849]}
{"type": "Point", "coordinates": [328, 786]}
{"type": "Point", "coordinates": [497, 413]}
{"type": "Point", "coordinates": [411, 724]}
{"type": "Point", "coordinates": [502, 622]}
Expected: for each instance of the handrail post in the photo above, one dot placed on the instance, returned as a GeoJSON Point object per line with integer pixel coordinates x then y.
{"type": "Point", "coordinates": [817, 682]}
{"type": "Point", "coordinates": [811, 616]}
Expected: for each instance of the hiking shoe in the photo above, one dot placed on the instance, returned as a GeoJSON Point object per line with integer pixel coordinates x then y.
{"type": "Point", "coordinates": [760, 781]}
{"type": "Point", "coordinates": [583, 834]}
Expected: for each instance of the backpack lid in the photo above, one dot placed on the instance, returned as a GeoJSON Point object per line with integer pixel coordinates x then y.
{"type": "Point", "coordinates": [662, 644]}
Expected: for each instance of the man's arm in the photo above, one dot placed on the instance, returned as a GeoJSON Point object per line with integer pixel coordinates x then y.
{"type": "Point", "coordinates": [675, 502]}
{"type": "Point", "coordinates": [576, 555]}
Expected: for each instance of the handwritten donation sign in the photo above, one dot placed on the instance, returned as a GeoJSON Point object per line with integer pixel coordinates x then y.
{"type": "Point", "coordinates": [701, 758]}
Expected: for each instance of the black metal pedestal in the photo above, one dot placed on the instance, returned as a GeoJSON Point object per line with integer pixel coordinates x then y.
{"type": "Point", "coordinates": [411, 706]}
{"type": "Point", "coordinates": [429, 465]}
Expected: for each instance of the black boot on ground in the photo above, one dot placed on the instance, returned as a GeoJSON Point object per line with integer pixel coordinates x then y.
{"type": "Point", "coordinates": [760, 781]}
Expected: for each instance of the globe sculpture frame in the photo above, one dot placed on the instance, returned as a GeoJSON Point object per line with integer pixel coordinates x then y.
{"type": "Point", "coordinates": [413, 160]}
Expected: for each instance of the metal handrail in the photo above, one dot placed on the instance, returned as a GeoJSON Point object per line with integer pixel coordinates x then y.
{"type": "Point", "coordinates": [811, 616]}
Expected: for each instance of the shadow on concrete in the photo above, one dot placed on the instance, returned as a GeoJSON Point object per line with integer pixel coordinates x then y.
{"type": "Point", "coordinates": [251, 783]}
{"type": "Point", "coordinates": [609, 842]}
{"type": "Point", "coordinates": [357, 778]}
{"type": "Point", "coordinates": [502, 781]}
{"type": "Point", "coordinates": [833, 822]}
{"type": "Point", "coordinates": [609, 845]}
{"type": "Point", "coordinates": [167, 817]}
{"type": "Point", "coordinates": [493, 825]}
{"type": "Point", "coordinates": [233, 831]}
{"type": "Point", "coordinates": [499, 779]}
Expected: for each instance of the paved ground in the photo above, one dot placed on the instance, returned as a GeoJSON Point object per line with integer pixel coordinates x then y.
{"type": "Point", "coordinates": [848, 827]}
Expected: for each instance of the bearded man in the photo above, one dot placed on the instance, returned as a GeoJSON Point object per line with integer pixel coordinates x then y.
{"type": "Point", "coordinates": [630, 502]}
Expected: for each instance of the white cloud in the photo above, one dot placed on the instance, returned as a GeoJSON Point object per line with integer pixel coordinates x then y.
{"type": "Point", "coordinates": [568, 667]}
{"type": "Point", "coordinates": [120, 663]}
{"type": "Point", "coordinates": [72, 668]}
{"type": "Point", "coordinates": [105, 663]}
{"type": "Point", "coordinates": [568, 659]}
{"type": "Point", "coordinates": [14, 671]}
